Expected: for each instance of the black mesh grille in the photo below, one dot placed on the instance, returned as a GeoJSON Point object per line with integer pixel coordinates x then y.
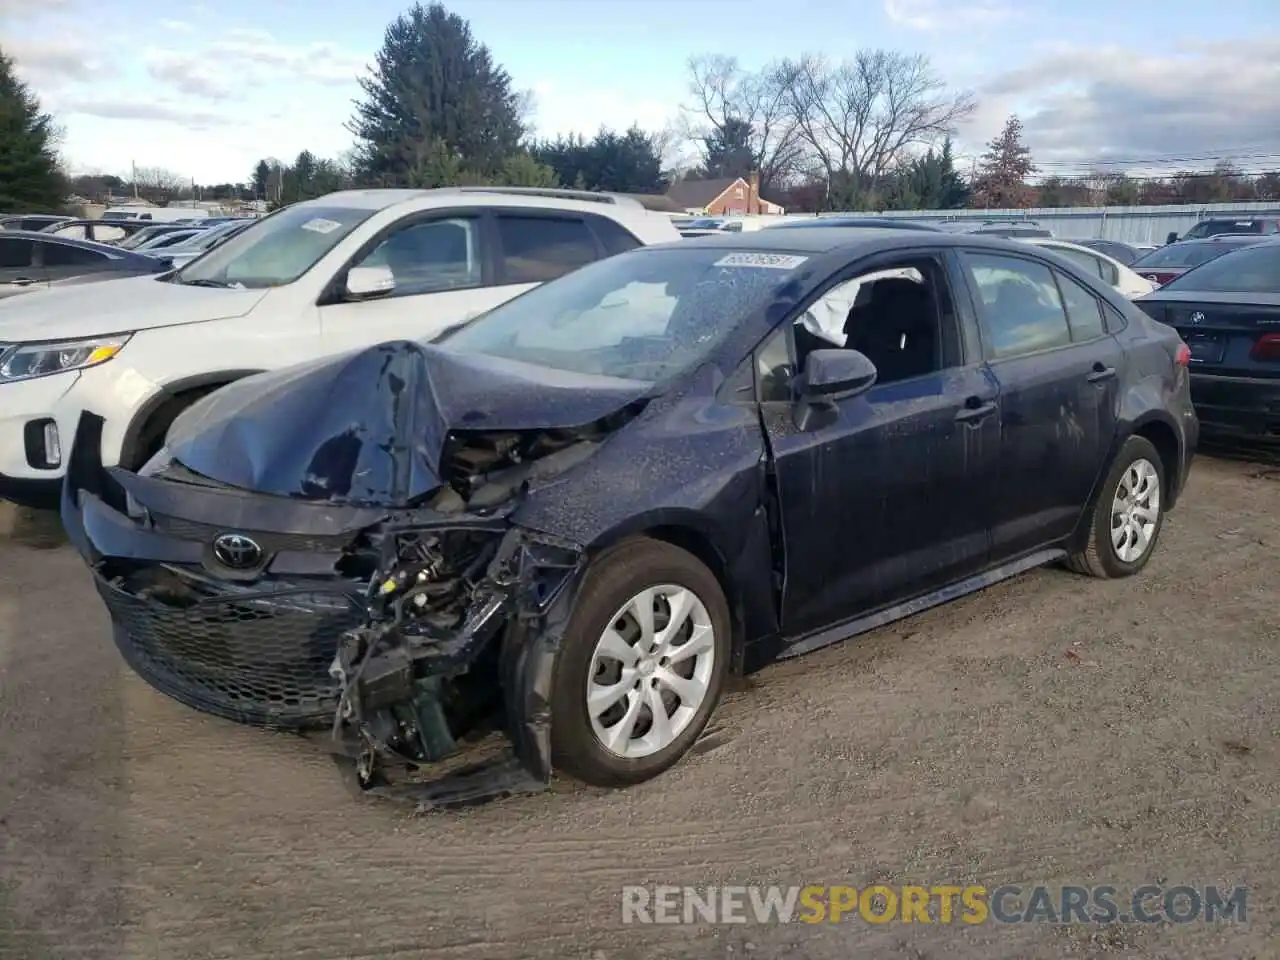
{"type": "Point", "coordinates": [264, 662]}
{"type": "Point", "coordinates": [270, 542]}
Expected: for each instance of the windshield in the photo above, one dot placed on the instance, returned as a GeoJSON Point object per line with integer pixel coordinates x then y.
{"type": "Point", "coordinates": [1188, 255]}
{"type": "Point", "coordinates": [646, 315]}
{"type": "Point", "coordinates": [277, 250]}
{"type": "Point", "coordinates": [1250, 270]}
{"type": "Point", "coordinates": [1212, 228]}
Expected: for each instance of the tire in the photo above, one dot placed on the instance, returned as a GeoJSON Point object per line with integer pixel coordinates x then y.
{"type": "Point", "coordinates": [1100, 556]}
{"type": "Point", "coordinates": [612, 581]}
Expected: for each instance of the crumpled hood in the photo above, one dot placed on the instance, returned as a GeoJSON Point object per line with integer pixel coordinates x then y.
{"type": "Point", "coordinates": [116, 306]}
{"type": "Point", "coordinates": [369, 427]}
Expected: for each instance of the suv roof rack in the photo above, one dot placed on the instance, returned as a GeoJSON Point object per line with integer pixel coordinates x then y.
{"type": "Point", "coordinates": [554, 193]}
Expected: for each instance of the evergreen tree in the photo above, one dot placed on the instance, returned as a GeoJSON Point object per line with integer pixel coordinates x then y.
{"type": "Point", "coordinates": [30, 181]}
{"type": "Point", "coordinates": [435, 99]}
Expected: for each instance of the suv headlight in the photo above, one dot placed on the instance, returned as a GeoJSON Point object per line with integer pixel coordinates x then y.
{"type": "Point", "coordinates": [25, 361]}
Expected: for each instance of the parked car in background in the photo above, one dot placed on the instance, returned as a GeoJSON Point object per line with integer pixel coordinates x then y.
{"type": "Point", "coordinates": [99, 231]}
{"type": "Point", "coordinates": [30, 221]}
{"type": "Point", "coordinates": [1217, 226]}
{"type": "Point", "coordinates": [181, 254]}
{"type": "Point", "coordinates": [603, 527]}
{"type": "Point", "coordinates": [166, 240]}
{"type": "Point", "coordinates": [154, 214]}
{"type": "Point", "coordinates": [880, 223]}
{"type": "Point", "coordinates": [314, 278]}
{"type": "Point", "coordinates": [1228, 312]}
{"type": "Point", "coordinates": [1097, 264]}
{"type": "Point", "coordinates": [1164, 264]}
{"type": "Point", "coordinates": [150, 233]}
{"type": "Point", "coordinates": [32, 261]}
{"type": "Point", "coordinates": [1119, 252]}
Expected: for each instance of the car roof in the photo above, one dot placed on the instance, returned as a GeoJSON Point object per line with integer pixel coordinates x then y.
{"type": "Point", "coordinates": [552, 198]}
{"type": "Point", "coordinates": [65, 241]}
{"type": "Point", "coordinates": [855, 241]}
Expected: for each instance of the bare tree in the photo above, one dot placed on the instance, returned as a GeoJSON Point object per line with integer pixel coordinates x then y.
{"type": "Point", "coordinates": [727, 101]}
{"type": "Point", "coordinates": [858, 118]}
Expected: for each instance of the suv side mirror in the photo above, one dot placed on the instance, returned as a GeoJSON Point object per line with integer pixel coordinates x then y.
{"type": "Point", "coordinates": [1171, 238]}
{"type": "Point", "coordinates": [366, 283]}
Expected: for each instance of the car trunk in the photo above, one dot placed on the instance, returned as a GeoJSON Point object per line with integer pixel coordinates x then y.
{"type": "Point", "coordinates": [1236, 339]}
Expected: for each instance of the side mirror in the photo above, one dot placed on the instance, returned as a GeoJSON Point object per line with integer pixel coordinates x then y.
{"type": "Point", "coordinates": [366, 283]}
{"type": "Point", "coordinates": [1171, 238]}
{"type": "Point", "coordinates": [831, 373]}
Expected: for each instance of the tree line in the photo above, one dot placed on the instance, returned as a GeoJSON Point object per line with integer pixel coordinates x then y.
{"type": "Point", "coordinates": [873, 132]}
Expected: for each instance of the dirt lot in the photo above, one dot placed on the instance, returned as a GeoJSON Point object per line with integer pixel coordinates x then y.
{"type": "Point", "coordinates": [1052, 729]}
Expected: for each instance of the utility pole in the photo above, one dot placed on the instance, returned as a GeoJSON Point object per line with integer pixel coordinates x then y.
{"type": "Point", "coordinates": [133, 165]}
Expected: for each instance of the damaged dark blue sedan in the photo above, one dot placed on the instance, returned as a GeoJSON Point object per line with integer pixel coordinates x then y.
{"type": "Point", "coordinates": [573, 517]}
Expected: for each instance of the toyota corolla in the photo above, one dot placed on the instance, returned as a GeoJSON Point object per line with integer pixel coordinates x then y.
{"type": "Point", "coordinates": [573, 517]}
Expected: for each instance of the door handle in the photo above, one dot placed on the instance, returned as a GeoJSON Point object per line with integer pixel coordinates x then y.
{"type": "Point", "coordinates": [1101, 372]}
{"type": "Point", "coordinates": [976, 409]}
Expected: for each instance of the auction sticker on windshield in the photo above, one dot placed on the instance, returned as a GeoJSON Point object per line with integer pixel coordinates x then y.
{"type": "Point", "coordinates": [320, 225]}
{"type": "Point", "coordinates": [773, 261]}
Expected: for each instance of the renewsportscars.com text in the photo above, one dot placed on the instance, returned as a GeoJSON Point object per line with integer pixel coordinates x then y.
{"type": "Point", "coordinates": [943, 904]}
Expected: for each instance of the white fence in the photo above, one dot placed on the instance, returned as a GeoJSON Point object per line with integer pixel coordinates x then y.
{"type": "Point", "coordinates": [1128, 224]}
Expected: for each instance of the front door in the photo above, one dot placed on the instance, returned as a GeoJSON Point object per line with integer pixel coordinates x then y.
{"type": "Point", "coordinates": [1059, 372]}
{"type": "Point", "coordinates": [884, 496]}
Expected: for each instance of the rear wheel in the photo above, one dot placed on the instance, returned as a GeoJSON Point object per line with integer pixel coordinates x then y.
{"type": "Point", "coordinates": [1127, 516]}
{"type": "Point", "coordinates": [641, 666]}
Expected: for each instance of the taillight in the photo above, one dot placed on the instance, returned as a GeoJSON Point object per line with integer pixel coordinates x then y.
{"type": "Point", "coordinates": [1267, 348]}
{"type": "Point", "coordinates": [1183, 355]}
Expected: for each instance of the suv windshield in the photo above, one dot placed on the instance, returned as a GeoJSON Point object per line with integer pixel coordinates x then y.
{"type": "Point", "coordinates": [646, 315]}
{"type": "Point", "coordinates": [1213, 228]}
{"type": "Point", "coordinates": [1254, 269]}
{"type": "Point", "coordinates": [277, 250]}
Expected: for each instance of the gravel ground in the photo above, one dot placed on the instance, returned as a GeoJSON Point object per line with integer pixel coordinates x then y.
{"type": "Point", "coordinates": [1053, 729]}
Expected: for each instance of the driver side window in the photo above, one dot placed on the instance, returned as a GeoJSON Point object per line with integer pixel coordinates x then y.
{"type": "Point", "coordinates": [431, 256]}
{"type": "Point", "coordinates": [894, 315]}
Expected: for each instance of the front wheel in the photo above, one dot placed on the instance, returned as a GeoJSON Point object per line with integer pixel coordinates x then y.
{"type": "Point", "coordinates": [1127, 516]}
{"type": "Point", "coordinates": [641, 666]}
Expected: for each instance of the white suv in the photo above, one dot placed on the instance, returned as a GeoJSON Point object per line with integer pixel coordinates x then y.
{"type": "Point", "coordinates": [345, 270]}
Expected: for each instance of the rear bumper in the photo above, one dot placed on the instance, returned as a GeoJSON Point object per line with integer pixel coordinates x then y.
{"type": "Point", "coordinates": [26, 492]}
{"type": "Point", "coordinates": [1237, 408]}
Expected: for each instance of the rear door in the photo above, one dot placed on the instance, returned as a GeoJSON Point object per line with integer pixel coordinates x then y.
{"type": "Point", "coordinates": [1058, 370]}
{"type": "Point", "coordinates": [18, 270]}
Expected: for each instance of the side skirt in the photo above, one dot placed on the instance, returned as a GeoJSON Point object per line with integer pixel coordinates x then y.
{"type": "Point", "coordinates": [807, 643]}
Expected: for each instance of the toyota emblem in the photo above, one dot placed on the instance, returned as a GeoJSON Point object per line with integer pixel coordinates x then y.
{"type": "Point", "coordinates": [237, 551]}
{"type": "Point", "coordinates": [1197, 317]}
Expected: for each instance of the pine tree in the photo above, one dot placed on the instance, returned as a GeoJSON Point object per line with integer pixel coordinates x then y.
{"type": "Point", "coordinates": [30, 181]}
{"type": "Point", "coordinates": [436, 98]}
{"type": "Point", "coordinates": [1004, 169]}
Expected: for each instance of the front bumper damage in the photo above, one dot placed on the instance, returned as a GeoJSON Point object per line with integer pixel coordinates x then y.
{"type": "Point", "coordinates": [372, 625]}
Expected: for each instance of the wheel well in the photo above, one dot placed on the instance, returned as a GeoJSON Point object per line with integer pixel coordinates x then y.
{"type": "Point", "coordinates": [1162, 437]}
{"type": "Point", "coordinates": [698, 544]}
{"type": "Point", "coordinates": [146, 436]}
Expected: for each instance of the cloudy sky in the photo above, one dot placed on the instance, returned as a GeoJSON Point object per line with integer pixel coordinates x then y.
{"type": "Point", "coordinates": [206, 88]}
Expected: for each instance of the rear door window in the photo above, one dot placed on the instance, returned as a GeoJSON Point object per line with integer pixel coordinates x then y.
{"type": "Point", "coordinates": [65, 255]}
{"type": "Point", "coordinates": [614, 237]}
{"type": "Point", "coordinates": [1021, 309]}
{"type": "Point", "coordinates": [1084, 312]}
{"type": "Point", "coordinates": [15, 254]}
{"type": "Point", "coordinates": [538, 249]}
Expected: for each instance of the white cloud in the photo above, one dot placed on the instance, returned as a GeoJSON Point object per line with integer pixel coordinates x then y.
{"type": "Point", "coordinates": [1100, 102]}
{"type": "Point", "coordinates": [560, 110]}
{"type": "Point", "coordinates": [941, 15]}
{"type": "Point", "coordinates": [177, 26]}
{"type": "Point", "coordinates": [48, 63]}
